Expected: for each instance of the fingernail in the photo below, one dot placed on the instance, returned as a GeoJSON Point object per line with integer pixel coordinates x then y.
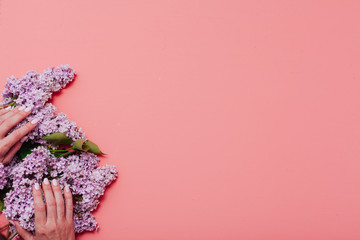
{"type": "Point", "coordinates": [37, 186]}
{"type": "Point", "coordinates": [35, 120]}
{"type": "Point", "coordinates": [11, 222]}
{"type": "Point", "coordinates": [22, 108]}
{"type": "Point", "coordinates": [54, 182]}
{"type": "Point", "coordinates": [67, 189]}
{"type": "Point", "coordinates": [8, 108]}
{"type": "Point", "coordinates": [46, 181]}
{"type": "Point", "coordinates": [28, 109]}
{"type": "Point", "coordinates": [23, 139]}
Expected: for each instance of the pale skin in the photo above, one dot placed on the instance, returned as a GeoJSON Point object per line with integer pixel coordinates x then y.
{"type": "Point", "coordinates": [55, 220]}
{"type": "Point", "coordinates": [10, 144]}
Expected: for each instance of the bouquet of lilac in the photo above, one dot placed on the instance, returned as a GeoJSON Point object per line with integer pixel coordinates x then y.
{"type": "Point", "coordinates": [43, 155]}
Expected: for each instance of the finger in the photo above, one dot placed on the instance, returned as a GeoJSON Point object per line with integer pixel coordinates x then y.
{"type": "Point", "coordinates": [10, 154]}
{"type": "Point", "coordinates": [18, 134]}
{"type": "Point", "coordinates": [11, 111]}
{"type": "Point", "coordinates": [21, 231]}
{"type": "Point", "coordinates": [50, 202]}
{"type": "Point", "coordinates": [60, 209]}
{"type": "Point", "coordinates": [4, 110]}
{"type": "Point", "coordinates": [68, 204]}
{"type": "Point", "coordinates": [17, 116]}
{"type": "Point", "coordinates": [39, 206]}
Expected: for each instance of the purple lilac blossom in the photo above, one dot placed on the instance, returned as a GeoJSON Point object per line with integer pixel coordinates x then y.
{"type": "Point", "coordinates": [80, 171]}
{"type": "Point", "coordinates": [35, 89]}
{"type": "Point", "coordinates": [2, 176]}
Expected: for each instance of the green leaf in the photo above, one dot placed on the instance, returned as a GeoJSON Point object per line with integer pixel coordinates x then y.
{"type": "Point", "coordinates": [78, 198]}
{"type": "Point", "coordinates": [58, 138]}
{"type": "Point", "coordinates": [63, 154]}
{"type": "Point", "coordinates": [79, 145]}
{"type": "Point", "coordinates": [13, 103]}
{"type": "Point", "coordinates": [93, 147]}
{"type": "Point", "coordinates": [68, 153]}
{"type": "Point", "coordinates": [57, 154]}
{"type": "Point", "coordinates": [2, 196]}
{"type": "Point", "coordinates": [26, 149]}
{"type": "Point", "coordinates": [2, 207]}
{"type": "Point", "coordinates": [87, 146]}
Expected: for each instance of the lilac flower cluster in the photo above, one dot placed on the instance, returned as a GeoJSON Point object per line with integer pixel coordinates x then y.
{"type": "Point", "coordinates": [34, 90]}
{"type": "Point", "coordinates": [80, 171]}
{"type": "Point", "coordinates": [2, 176]}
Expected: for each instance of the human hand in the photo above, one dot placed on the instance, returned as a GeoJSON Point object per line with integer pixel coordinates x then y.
{"type": "Point", "coordinates": [10, 144]}
{"type": "Point", "coordinates": [56, 221]}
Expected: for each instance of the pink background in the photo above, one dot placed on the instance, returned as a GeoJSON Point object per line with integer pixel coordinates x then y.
{"type": "Point", "coordinates": [226, 119]}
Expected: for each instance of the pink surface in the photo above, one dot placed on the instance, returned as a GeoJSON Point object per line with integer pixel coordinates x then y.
{"type": "Point", "coordinates": [226, 119]}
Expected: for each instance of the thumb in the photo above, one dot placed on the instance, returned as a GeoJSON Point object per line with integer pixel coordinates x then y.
{"type": "Point", "coordinates": [21, 231]}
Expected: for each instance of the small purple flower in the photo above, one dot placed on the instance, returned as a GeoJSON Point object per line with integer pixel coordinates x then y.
{"type": "Point", "coordinates": [3, 180]}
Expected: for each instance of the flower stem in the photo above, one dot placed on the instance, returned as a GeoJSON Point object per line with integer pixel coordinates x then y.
{"type": "Point", "coordinates": [61, 150]}
{"type": "Point", "coordinates": [3, 227]}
